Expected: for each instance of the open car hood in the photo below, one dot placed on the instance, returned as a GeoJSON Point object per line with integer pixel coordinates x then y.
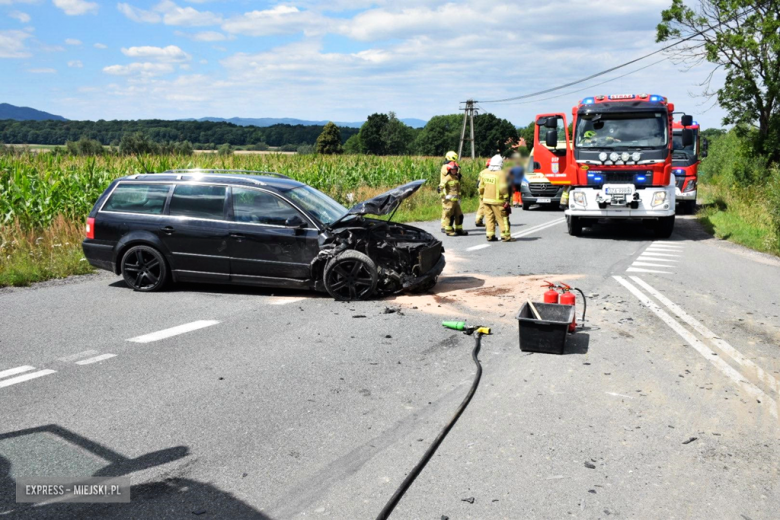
{"type": "Point", "coordinates": [388, 201]}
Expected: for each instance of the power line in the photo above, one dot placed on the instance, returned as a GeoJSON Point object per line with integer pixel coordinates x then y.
{"type": "Point", "coordinates": [612, 69]}
{"type": "Point", "coordinates": [591, 86]}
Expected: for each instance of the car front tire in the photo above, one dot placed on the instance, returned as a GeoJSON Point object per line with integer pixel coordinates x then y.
{"type": "Point", "coordinates": [144, 269]}
{"type": "Point", "coordinates": [664, 227]}
{"type": "Point", "coordinates": [575, 226]}
{"type": "Point", "coordinates": [350, 276]}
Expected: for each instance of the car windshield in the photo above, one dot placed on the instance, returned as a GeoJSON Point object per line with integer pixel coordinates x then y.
{"type": "Point", "coordinates": [639, 130]}
{"type": "Point", "coordinates": [317, 204]}
{"type": "Point", "coordinates": [677, 142]}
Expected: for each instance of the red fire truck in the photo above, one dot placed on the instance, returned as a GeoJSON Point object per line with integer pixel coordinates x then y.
{"type": "Point", "coordinates": [618, 159]}
{"type": "Point", "coordinates": [685, 165]}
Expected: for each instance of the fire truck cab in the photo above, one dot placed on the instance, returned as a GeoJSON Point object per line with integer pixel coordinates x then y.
{"type": "Point", "coordinates": [685, 163]}
{"type": "Point", "coordinates": [617, 159]}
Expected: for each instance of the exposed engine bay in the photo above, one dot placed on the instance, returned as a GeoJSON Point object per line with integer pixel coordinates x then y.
{"type": "Point", "coordinates": [403, 254]}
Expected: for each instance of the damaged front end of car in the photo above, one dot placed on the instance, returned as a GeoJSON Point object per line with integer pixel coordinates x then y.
{"type": "Point", "coordinates": [405, 258]}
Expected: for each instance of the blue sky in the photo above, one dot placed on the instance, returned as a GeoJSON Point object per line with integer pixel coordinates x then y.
{"type": "Point", "coordinates": [339, 60]}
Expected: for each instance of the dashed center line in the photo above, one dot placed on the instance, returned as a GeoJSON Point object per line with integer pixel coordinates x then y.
{"type": "Point", "coordinates": [25, 377]}
{"type": "Point", "coordinates": [476, 248]}
{"type": "Point", "coordinates": [95, 359]}
{"type": "Point", "coordinates": [14, 371]}
{"type": "Point", "coordinates": [78, 355]}
{"type": "Point", "coordinates": [173, 331]}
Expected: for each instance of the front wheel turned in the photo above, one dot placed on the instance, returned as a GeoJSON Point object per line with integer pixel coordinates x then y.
{"type": "Point", "coordinates": [350, 276]}
{"type": "Point", "coordinates": [144, 269]}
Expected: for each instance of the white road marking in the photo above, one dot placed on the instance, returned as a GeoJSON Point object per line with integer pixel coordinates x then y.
{"type": "Point", "coordinates": [78, 355]}
{"type": "Point", "coordinates": [14, 371]}
{"type": "Point", "coordinates": [173, 331]}
{"type": "Point", "coordinates": [95, 359]}
{"type": "Point", "coordinates": [700, 347]}
{"type": "Point", "coordinates": [619, 395]}
{"type": "Point", "coordinates": [25, 377]}
{"type": "Point", "coordinates": [716, 340]}
{"type": "Point", "coordinates": [668, 246]}
{"type": "Point", "coordinates": [652, 253]}
{"type": "Point", "coordinates": [641, 270]}
{"type": "Point", "coordinates": [284, 301]}
{"type": "Point", "coordinates": [538, 228]}
{"type": "Point", "coordinates": [646, 264]}
{"type": "Point", "coordinates": [651, 258]}
{"type": "Point", "coordinates": [477, 248]}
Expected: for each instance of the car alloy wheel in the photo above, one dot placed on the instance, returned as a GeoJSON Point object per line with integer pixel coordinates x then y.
{"type": "Point", "coordinates": [351, 276]}
{"type": "Point", "coordinates": [144, 269]}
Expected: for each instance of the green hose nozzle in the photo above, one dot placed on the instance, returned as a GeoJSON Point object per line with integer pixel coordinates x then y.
{"type": "Point", "coordinates": [454, 325]}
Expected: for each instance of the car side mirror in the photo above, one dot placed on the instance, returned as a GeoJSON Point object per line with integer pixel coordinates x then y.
{"type": "Point", "coordinates": [552, 122]}
{"type": "Point", "coordinates": [551, 139]}
{"type": "Point", "coordinates": [687, 137]}
{"type": "Point", "coordinates": [295, 222]}
{"type": "Point", "coordinates": [686, 120]}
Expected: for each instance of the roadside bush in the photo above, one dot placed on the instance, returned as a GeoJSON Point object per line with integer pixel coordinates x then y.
{"type": "Point", "coordinates": [225, 149]}
{"type": "Point", "coordinates": [85, 146]}
{"type": "Point", "coordinates": [305, 149]}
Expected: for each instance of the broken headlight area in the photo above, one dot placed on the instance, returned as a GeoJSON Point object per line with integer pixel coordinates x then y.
{"type": "Point", "coordinates": [406, 257]}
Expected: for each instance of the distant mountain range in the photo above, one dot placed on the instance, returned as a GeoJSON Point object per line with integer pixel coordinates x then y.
{"type": "Point", "coordinates": [30, 114]}
{"type": "Point", "coordinates": [270, 121]}
{"type": "Point", "coordinates": [26, 113]}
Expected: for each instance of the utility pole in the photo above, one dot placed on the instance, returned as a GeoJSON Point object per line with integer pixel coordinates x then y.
{"type": "Point", "coordinates": [468, 117]}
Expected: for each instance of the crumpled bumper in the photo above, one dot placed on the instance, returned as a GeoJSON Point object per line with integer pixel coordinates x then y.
{"type": "Point", "coordinates": [426, 278]}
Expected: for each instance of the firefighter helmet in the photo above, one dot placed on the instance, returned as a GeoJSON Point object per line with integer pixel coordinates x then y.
{"type": "Point", "coordinates": [451, 156]}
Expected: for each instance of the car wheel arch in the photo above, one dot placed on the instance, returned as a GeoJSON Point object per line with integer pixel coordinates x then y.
{"type": "Point", "coordinates": [138, 238]}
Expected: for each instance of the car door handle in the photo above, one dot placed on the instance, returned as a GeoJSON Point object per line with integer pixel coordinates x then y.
{"type": "Point", "coordinates": [237, 235]}
{"type": "Point", "coordinates": [167, 230]}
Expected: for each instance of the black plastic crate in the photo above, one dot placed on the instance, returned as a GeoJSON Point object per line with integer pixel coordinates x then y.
{"type": "Point", "coordinates": [549, 334]}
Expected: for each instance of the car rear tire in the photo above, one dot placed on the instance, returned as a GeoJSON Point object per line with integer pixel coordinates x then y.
{"type": "Point", "coordinates": [526, 207]}
{"type": "Point", "coordinates": [144, 269]}
{"type": "Point", "coordinates": [350, 276]}
{"type": "Point", "coordinates": [575, 226]}
{"type": "Point", "coordinates": [664, 227]}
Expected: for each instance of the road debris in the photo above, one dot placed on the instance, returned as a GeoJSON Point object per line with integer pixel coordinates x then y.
{"type": "Point", "coordinates": [690, 440]}
{"type": "Point", "coordinates": [590, 465]}
{"type": "Point", "coordinates": [470, 500]}
{"type": "Point", "coordinates": [359, 316]}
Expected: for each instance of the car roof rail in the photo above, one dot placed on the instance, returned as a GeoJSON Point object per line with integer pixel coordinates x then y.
{"type": "Point", "coordinates": [222, 171]}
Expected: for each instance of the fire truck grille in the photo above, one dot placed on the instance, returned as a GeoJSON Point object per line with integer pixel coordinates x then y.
{"type": "Point", "coordinates": [543, 190]}
{"type": "Point", "coordinates": [619, 177]}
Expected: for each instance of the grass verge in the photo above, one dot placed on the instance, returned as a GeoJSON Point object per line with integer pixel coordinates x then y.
{"type": "Point", "coordinates": [28, 256]}
{"type": "Point", "coordinates": [742, 216]}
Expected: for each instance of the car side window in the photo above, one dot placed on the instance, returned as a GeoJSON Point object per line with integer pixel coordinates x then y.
{"type": "Point", "coordinates": [138, 198]}
{"type": "Point", "coordinates": [198, 201]}
{"type": "Point", "coordinates": [259, 207]}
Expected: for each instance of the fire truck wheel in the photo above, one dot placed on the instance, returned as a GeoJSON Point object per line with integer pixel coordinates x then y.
{"type": "Point", "coordinates": [575, 226]}
{"type": "Point", "coordinates": [664, 227]}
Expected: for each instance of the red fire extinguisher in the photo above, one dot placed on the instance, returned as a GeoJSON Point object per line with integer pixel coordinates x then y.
{"type": "Point", "coordinates": [568, 298]}
{"type": "Point", "coordinates": [551, 295]}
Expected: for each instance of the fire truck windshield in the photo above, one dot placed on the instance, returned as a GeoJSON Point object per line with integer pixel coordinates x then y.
{"type": "Point", "coordinates": [622, 130]}
{"type": "Point", "coordinates": [678, 146]}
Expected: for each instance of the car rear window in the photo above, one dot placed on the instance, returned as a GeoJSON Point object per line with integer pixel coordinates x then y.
{"type": "Point", "coordinates": [138, 198]}
{"type": "Point", "coordinates": [198, 201]}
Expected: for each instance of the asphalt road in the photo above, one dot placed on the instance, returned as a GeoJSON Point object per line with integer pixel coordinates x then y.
{"type": "Point", "coordinates": [277, 405]}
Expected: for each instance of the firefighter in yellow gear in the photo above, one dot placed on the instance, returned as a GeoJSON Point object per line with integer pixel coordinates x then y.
{"type": "Point", "coordinates": [494, 194]}
{"type": "Point", "coordinates": [449, 188]}
{"type": "Point", "coordinates": [480, 219]}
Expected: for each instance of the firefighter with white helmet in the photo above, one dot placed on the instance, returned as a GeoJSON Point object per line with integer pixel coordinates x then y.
{"type": "Point", "coordinates": [494, 194]}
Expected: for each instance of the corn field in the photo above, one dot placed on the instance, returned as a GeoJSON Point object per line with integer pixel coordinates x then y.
{"type": "Point", "coordinates": [37, 188]}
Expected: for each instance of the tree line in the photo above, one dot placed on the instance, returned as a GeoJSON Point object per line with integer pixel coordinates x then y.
{"type": "Point", "coordinates": [199, 133]}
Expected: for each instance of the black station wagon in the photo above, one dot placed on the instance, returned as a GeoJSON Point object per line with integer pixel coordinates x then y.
{"type": "Point", "coordinates": [260, 229]}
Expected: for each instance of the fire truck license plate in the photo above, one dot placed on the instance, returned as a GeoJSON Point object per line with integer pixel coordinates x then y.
{"type": "Point", "coordinates": [542, 201]}
{"type": "Point", "coordinates": [619, 190]}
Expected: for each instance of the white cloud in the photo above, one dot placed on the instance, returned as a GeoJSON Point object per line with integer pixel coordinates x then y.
{"type": "Point", "coordinates": [282, 19]}
{"type": "Point", "coordinates": [12, 44]}
{"type": "Point", "coordinates": [18, 15]}
{"type": "Point", "coordinates": [171, 53]}
{"type": "Point", "coordinates": [10, 2]}
{"type": "Point", "coordinates": [204, 36]}
{"type": "Point", "coordinates": [76, 7]}
{"type": "Point", "coordinates": [169, 13]}
{"type": "Point", "coordinates": [72, 41]}
{"type": "Point", "coordinates": [138, 15]}
{"type": "Point", "coordinates": [75, 64]}
{"type": "Point", "coordinates": [42, 71]}
{"type": "Point", "coordinates": [142, 69]}
{"type": "Point", "coordinates": [100, 46]}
